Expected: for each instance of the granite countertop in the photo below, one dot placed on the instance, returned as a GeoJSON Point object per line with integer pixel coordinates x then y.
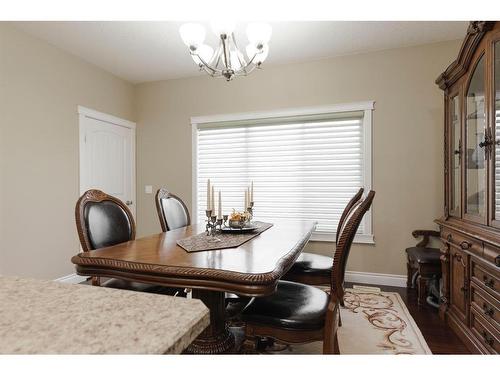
{"type": "Point", "coordinates": [48, 317]}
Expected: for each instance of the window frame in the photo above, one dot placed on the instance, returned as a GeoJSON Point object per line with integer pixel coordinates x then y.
{"type": "Point", "coordinates": [367, 107]}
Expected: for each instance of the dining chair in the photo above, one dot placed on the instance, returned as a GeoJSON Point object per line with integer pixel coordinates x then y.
{"type": "Point", "coordinates": [103, 220]}
{"type": "Point", "coordinates": [316, 269]}
{"type": "Point", "coordinates": [299, 313]}
{"type": "Point", "coordinates": [172, 211]}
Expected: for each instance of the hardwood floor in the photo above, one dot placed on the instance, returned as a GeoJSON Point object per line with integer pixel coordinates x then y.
{"type": "Point", "coordinates": [440, 338]}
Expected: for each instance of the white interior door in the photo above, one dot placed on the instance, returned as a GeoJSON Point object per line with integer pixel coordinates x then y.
{"type": "Point", "coordinates": [107, 155]}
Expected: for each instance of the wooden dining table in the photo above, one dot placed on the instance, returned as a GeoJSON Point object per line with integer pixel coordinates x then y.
{"type": "Point", "coordinates": [252, 269]}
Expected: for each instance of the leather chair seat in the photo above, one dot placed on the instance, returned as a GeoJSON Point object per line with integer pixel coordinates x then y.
{"type": "Point", "coordinates": [139, 287]}
{"type": "Point", "coordinates": [293, 306]}
{"type": "Point", "coordinates": [312, 264]}
{"type": "Point", "coordinates": [423, 255]}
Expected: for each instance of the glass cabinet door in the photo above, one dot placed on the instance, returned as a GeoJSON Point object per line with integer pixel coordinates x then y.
{"type": "Point", "coordinates": [456, 156]}
{"type": "Point", "coordinates": [496, 122]}
{"type": "Point", "coordinates": [475, 128]}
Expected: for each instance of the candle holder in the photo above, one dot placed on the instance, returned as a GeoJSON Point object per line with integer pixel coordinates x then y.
{"type": "Point", "coordinates": [213, 226]}
{"type": "Point", "coordinates": [250, 211]}
{"type": "Point", "coordinates": [208, 214]}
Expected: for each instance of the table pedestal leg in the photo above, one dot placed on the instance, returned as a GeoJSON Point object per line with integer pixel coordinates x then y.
{"type": "Point", "coordinates": [216, 338]}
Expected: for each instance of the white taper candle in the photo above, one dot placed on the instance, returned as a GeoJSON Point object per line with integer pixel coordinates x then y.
{"type": "Point", "coordinates": [212, 201]}
{"type": "Point", "coordinates": [219, 211]}
{"type": "Point", "coordinates": [208, 194]}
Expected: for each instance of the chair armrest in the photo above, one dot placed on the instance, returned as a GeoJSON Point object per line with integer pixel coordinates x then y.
{"type": "Point", "coordinates": [426, 234]}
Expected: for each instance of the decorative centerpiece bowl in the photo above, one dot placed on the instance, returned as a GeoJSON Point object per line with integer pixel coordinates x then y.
{"type": "Point", "coordinates": [238, 220]}
{"type": "Point", "coordinates": [237, 224]}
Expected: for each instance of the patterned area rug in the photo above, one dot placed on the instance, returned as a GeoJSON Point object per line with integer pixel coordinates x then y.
{"type": "Point", "coordinates": [373, 322]}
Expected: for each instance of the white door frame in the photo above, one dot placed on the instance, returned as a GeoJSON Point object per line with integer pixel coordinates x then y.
{"type": "Point", "coordinates": [83, 113]}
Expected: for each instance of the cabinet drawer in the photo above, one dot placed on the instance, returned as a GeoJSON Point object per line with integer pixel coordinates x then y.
{"type": "Point", "coordinates": [485, 304]}
{"type": "Point", "coordinates": [491, 254]}
{"type": "Point", "coordinates": [486, 276]}
{"type": "Point", "coordinates": [485, 332]}
{"type": "Point", "coordinates": [462, 241]}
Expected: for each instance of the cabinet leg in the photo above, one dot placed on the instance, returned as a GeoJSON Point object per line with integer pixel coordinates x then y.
{"type": "Point", "coordinates": [409, 272]}
{"type": "Point", "coordinates": [422, 290]}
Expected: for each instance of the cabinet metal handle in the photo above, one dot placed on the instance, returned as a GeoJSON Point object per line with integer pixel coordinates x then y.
{"type": "Point", "coordinates": [490, 283]}
{"type": "Point", "coordinates": [487, 310]}
{"type": "Point", "coordinates": [460, 259]}
{"type": "Point", "coordinates": [465, 245]}
{"type": "Point", "coordinates": [487, 143]}
{"type": "Point", "coordinates": [489, 340]}
{"type": "Point", "coordinates": [128, 203]}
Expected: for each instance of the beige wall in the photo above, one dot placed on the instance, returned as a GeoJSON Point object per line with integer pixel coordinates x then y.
{"type": "Point", "coordinates": [40, 88]}
{"type": "Point", "coordinates": [407, 134]}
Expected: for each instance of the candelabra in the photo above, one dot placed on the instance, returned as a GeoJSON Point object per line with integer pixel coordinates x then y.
{"type": "Point", "coordinates": [213, 226]}
{"type": "Point", "coordinates": [250, 211]}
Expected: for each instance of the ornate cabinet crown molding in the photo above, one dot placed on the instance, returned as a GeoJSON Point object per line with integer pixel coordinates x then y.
{"type": "Point", "coordinates": [458, 68]}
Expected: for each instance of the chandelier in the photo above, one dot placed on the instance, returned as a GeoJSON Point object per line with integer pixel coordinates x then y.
{"type": "Point", "coordinates": [227, 61]}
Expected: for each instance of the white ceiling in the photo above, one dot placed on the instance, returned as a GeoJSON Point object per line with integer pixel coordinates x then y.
{"type": "Point", "coordinates": [150, 51]}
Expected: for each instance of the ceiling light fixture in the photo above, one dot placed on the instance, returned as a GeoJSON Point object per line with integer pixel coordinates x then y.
{"type": "Point", "coordinates": [227, 61]}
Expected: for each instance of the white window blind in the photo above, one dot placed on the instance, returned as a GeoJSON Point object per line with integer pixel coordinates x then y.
{"type": "Point", "coordinates": [303, 167]}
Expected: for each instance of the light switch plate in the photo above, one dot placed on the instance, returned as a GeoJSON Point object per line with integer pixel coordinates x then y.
{"type": "Point", "coordinates": [148, 189]}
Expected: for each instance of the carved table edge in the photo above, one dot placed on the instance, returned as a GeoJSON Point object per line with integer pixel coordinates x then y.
{"type": "Point", "coordinates": [82, 262]}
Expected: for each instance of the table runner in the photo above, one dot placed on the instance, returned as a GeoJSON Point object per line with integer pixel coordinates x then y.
{"type": "Point", "coordinates": [200, 242]}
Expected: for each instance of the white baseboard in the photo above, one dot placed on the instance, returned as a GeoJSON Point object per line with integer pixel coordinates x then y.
{"type": "Point", "coordinates": [375, 278]}
{"type": "Point", "coordinates": [72, 279]}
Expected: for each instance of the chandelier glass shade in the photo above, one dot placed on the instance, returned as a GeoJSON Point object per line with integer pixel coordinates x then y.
{"type": "Point", "coordinates": [227, 60]}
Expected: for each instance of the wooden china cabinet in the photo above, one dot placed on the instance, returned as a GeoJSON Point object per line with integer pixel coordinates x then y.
{"type": "Point", "coordinates": [470, 227]}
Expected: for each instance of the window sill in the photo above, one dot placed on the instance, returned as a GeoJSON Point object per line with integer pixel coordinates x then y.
{"type": "Point", "coordinates": [330, 237]}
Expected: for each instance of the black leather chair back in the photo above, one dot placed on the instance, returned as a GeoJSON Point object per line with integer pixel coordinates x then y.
{"type": "Point", "coordinates": [172, 211]}
{"type": "Point", "coordinates": [107, 224]}
{"type": "Point", "coordinates": [103, 220]}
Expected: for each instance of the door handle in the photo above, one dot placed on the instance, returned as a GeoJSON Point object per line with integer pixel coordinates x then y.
{"type": "Point", "coordinates": [484, 143]}
{"type": "Point", "coordinates": [128, 203]}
